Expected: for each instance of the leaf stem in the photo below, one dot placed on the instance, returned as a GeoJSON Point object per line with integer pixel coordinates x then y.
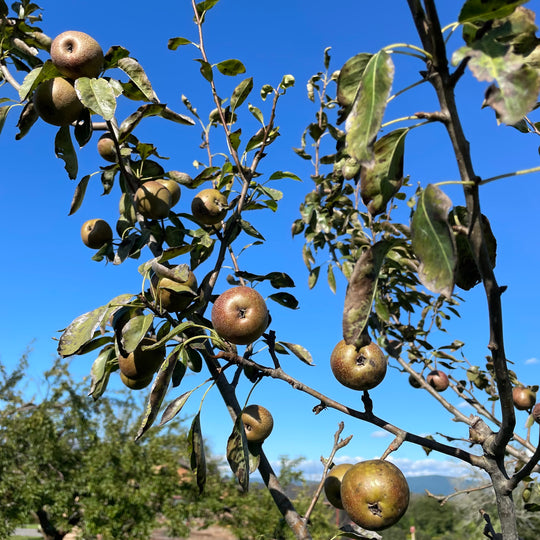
{"type": "Point", "coordinates": [509, 175]}
{"type": "Point", "coordinates": [424, 54]}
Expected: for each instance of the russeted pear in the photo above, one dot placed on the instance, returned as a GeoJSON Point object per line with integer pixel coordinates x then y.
{"type": "Point", "coordinates": [209, 206]}
{"type": "Point", "coordinates": [56, 102]}
{"type": "Point", "coordinates": [76, 54]}
{"type": "Point", "coordinates": [258, 423]}
{"type": "Point", "coordinates": [153, 200]}
{"type": "Point", "coordinates": [95, 233]}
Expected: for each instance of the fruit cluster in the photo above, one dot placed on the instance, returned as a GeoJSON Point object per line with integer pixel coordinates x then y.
{"type": "Point", "coordinates": [74, 54]}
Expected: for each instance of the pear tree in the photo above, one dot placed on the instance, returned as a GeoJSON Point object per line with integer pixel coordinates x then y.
{"type": "Point", "coordinates": [408, 253]}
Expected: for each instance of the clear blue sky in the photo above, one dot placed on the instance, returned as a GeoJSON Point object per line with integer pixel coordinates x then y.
{"type": "Point", "coordinates": [49, 278]}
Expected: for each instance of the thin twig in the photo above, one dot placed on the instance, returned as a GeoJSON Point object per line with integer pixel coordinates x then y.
{"type": "Point", "coordinates": [338, 444]}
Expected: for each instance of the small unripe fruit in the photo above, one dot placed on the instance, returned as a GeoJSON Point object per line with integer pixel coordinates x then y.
{"type": "Point", "coordinates": [106, 148]}
{"type": "Point", "coordinates": [95, 233]}
{"type": "Point", "coordinates": [56, 102]}
{"type": "Point", "coordinates": [438, 380]}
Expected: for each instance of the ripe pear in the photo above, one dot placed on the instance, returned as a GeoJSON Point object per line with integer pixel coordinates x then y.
{"type": "Point", "coordinates": [136, 384]}
{"type": "Point", "coordinates": [95, 233]}
{"type": "Point", "coordinates": [153, 200]}
{"type": "Point", "coordinates": [56, 102]}
{"type": "Point", "coordinates": [332, 484]}
{"type": "Point", "coordinates": [175, 295]}
{"type": "Point", "coordinates": [258, 423]}
{"type": "Point", "coordinates": [209, 206]}
{"type": "Point", "coordinates": [106, 148]}
{"type": "Point", "coordinates": [76, 54]}
{"type": "Point", "coordinates": [173, 187]}
{"type": "Point", "coordinates": [375, 494]}
{"type": "Point", "coordinates": [142, 363]}
{"type": "Point", "coordinates": [240, 315]}
{"type": "Point", "coordinates": [361, 369]}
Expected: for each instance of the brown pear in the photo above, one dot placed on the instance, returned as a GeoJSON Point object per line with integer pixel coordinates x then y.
{"type": "Point", "coordinates": [76, 54]}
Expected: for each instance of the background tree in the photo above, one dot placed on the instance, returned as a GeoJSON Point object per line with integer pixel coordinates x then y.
{"type": "Point", "coordinates": [402, 266]}
{"type": "Point", "coordinates": [70, 462]}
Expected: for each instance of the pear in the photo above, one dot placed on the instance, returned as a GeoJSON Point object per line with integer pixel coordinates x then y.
{"type": "Point", "coordinates": [76, 54]}
{"type": "Point", "coordinates": [56, 102]}
{"type": "Point", "coordinates": [106, 148]}
{"type": "Point", "coordinates": [153, 200]}
{"type": "Point", "coordinates": [209, 206]}
{"type": "Point", "coordinates": [95, 233]}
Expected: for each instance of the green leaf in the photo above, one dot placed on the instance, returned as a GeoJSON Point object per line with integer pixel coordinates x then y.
{"type": "Point", "coordinates": [157, 393]}
{"type": "Point", "coordinates": [27, 119]}
{"type": "Point", "coordinates": [241, 92]}
{"type": "Point", "coordinates": [365, 118]}
{"type": "Point", "coordinates": [176, 42]}
{"type": "Point", "coordinates": [196, 449]}
{"type": "Point", "coordinates": [287, 81]}
{"type": "Point", "coordinates": [113, 55]}
{"type": "Point", "coordinates": [134, 331]}
{"type": "Point", "coordinates": [63, 148]}
{"type": "Point", "coordinates": [382, 179]}
{"type": "Point", "coordinates": [136, 73]}
{"type": "Point", "coordinates": [285, 299]}
{"type": "Point", "coordinates": [277, 279]}
{"type": "Point", "coordinates": [80, 331]}
{"type": "Point", "coordinates": [331, 278]}
{"type": "Point", "coordinates": [3, 115]}
{"type": "Point", "coordinates": [145, 111]}
{"type": "Point", "coordinates": [38, 75]}
{"type": "Point", "coordinates": [507, 53]}
{"type": "Point", "coordinates": [250, 229]}
{"type": "Point", "coordinates": [278, 175]}
{"type": "Point", "coordinates": [83, 128]}
{"type": "Point", "coordinates": [231, 67]}
{"type": "Point", "coordinates": [300, 352]}
{"type": "Point", "coordinates": [206, 5]}
{"type": "Point", "coordinates": [78, 196]}
{"type": "Point", "coordinates": [361, 291]}
{"type": "Point", "coordinates": [313, 276]}
{"type": "Point", "coordinates": [98, 95]}
{"type": "Point", "coordinates": [256, 112]}
{"type": "Point", "coordinates": [349, 79]}
{"type": "Point", "coordinates": [486, 10]}
{"type": "Point", "coordinates": [206, 69]}
{"type": "Point", "coordinates": [175, 407]}
{"type": "Point", "coordinates": [467, 274]}
{"type": "Point", "coordinates": [433, 241]}
{"type": "Point", "coordinates": [238, 454]}
{"type": "Point", "coordinates": [100, 371]}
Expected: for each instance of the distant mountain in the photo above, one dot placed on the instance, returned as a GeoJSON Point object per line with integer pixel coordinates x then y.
{"type": "Point", "coordinates": [437, 484]}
